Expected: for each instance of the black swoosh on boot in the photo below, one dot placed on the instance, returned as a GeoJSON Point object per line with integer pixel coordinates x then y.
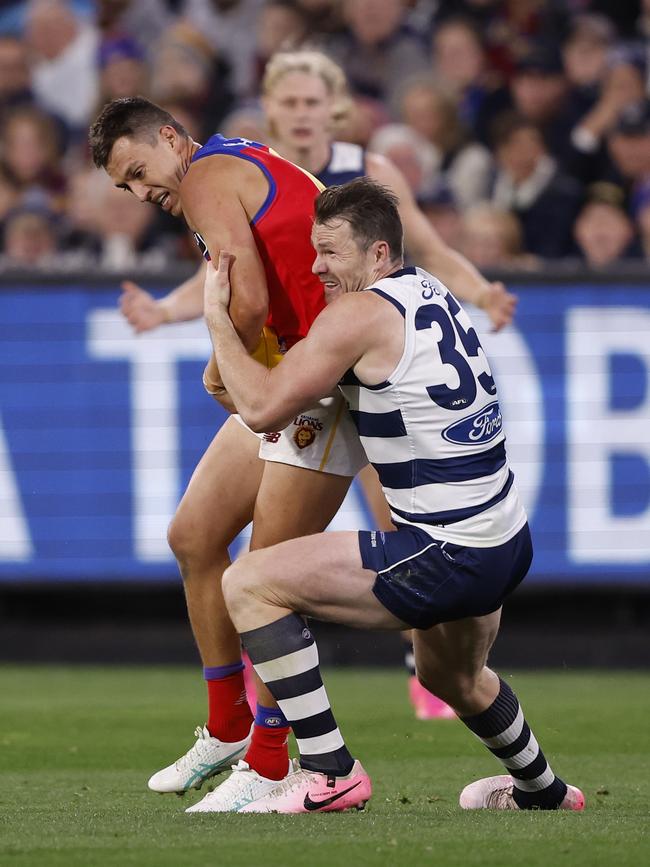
{"type": "Point", "coordinates": [316, 805]}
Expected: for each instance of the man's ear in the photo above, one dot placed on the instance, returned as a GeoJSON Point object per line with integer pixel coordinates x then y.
{"type": "Point", "coordinates": [169, 135]}
{"type": "Point", "coordinates": [382, 251]}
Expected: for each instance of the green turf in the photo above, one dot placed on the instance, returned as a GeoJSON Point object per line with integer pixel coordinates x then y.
{"type": "Point", "coordinates": [77, 746]}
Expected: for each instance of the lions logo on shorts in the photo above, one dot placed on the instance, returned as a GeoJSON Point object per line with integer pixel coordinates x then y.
{"type": "Point", "coordinates": [304, 436]}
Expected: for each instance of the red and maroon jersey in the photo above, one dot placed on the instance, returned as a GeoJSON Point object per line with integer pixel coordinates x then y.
{"type": "Point", "coordinates": [282, 230]}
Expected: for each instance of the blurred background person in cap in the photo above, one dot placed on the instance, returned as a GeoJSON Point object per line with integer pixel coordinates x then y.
{"type": "Point", "coordinates": [529, 182]}
{"type": "Point", "coordinates": [604, 232]}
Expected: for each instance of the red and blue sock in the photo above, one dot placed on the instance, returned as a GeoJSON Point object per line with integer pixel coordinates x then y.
{"type": "Point", "coordinates": [268, 753]}
{"type": "Point", "coordinates": [229, 716]}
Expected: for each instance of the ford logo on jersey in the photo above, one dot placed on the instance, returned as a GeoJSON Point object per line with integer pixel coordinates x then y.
{"type": "Point", "coordinates": [478, 428]}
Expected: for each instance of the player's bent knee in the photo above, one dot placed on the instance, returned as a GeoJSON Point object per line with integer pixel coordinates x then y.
{"type": "Point", "coordinates": [192, 548]}
{"type": "Point", "coordinates": [236, 585]}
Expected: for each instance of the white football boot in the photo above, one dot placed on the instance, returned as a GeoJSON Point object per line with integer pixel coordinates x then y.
{"type": "Point", "coordinates": [243, 787]}
{"type": "Point", "coordinates": [208, 756]}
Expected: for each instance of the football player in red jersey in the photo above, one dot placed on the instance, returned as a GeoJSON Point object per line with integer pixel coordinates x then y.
{"type": "Point", "coordinates": [237, 195]}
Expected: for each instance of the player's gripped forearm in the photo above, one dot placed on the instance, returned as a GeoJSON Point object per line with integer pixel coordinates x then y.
{"type": "Point", "coordinates": [244, 378]}
{"type": "Point", "coordinates": [248, 321]}
{"type": "Point", "coordinates": [186, 301]}
{"type": "Point", "coordinates": [459, 275]}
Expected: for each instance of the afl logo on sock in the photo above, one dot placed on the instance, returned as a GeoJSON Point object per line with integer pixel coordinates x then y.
{"type": "Point", "coordinates": [306, 634]}
{"type": "Point", "coordinates": [272, 721]}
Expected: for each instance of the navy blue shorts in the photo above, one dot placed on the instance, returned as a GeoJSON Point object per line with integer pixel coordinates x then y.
{"type": "Point", "coordinates": [424, 581]}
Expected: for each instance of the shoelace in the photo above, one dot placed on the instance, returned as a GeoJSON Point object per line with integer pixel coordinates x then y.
{"type": "Point", "coordinates": [231, 785]}
{"type": "Point", "coordinates": [501, 799]}
{"type": "Point", "coordinates": [194, 752]}
{"type": "Point", "coordinates": [297, 773]}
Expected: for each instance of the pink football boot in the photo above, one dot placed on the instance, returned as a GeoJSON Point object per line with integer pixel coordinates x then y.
{"type": "Point", "coordinates": [427, 705]}
{"type": "Point", "coordinates": [495, 793]}
{"type": "Point", "coordinates": [310, 792]}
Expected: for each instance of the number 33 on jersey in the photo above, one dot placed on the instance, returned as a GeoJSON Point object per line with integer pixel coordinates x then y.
{"type": "Point", "coordinates": [433, 429]}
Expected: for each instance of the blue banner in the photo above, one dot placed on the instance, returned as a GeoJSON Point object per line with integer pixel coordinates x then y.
{"type": "Point", "coordinates": [100, 431]}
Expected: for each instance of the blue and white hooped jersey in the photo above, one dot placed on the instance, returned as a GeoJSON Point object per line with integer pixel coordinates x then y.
{"type": "Point", "coordinates": [347, 162]}
{"type": "Point", "coordinates": [433, 430]}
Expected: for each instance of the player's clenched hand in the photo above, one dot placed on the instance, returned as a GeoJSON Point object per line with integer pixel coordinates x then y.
{"type": "Point", "coordinates": [499, 304]}
{"type": "Point", "coordinates": [216, 289]}
{"type": "Point", "coordinates": [140, 309]}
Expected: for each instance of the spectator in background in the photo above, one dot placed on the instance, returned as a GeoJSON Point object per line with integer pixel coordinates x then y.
{"type": "Point", "coordinates": [538, 91]}
{"type": "Point", "coordinates": [15, 76]}
{"type": "Point", "coordinates": [430, 109]}
{"type": "Point", "coordinates": [112, 228]}
{"type": "Point", "coordinates": [512, 28]}
{"type": "Point", "coordinates": [414, 156]}
{"type": "Point", "coordinates": [492, 238]}
{"type": "Point", "coordinates": [629, 146]}
{"type": "Point", "coordinates": [585, 53]}
{"type": "Point", "coordinates": [603, 231]}
{"type": "Point", "coordinates": [80, 224]}
{"type": "Point", "coordinates": [529, 183]}
{"type": "Point", "coordinates": [323, 17]}
{"type": "Point", "coordinates": [376, 51]}
{"type": "Point", "coordinates": [31, 154]}
{"type": "Point", "coordinates": [230, 26]}
{"type": "Point", "coordinates": [186, 70]}
{"type": "Point", "coordinates": [124, 228]}
{"type": "Point", "coordinates": [441, 210]}
{"type": "Point", "coordinates": [623, 86]}
{"type": "Point", "coordinates": [145, 20]}
{"type": "Point", "coordinates": [63, 50]}
{"type": "Point", "coordinates": [30, 237]}
{"type": "Point", "coordinates": [123, 69]}
{"type": "Point", "coordinates": [459, 63]}
{"type": "Point", "coordinates": [281, 26]}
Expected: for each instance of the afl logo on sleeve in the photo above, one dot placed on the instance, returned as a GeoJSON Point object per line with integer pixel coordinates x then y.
{"type": "Point", "coordinates": [479, 428]}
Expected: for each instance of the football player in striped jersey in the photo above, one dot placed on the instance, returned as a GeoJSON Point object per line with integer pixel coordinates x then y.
{"type": "Point", "coordinates": [422, 396]}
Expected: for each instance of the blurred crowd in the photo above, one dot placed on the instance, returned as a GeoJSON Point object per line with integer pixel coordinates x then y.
{"type": "Point", "coordinates": [522, 126]}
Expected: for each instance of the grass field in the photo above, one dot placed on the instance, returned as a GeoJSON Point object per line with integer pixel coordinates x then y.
{"type": "Point", "coordinates": [77, 746]}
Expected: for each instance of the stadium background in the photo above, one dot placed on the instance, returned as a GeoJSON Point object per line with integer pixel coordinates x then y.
{"type": "Point", "coordinates": [100, 430]}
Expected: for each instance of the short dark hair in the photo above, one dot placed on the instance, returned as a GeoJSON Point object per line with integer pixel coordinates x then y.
{"type": "Point", "coordinates": [369, 208]}
{"type": "Point", "coordinates": [508, 124]}
{"type": "Point", "coordinates": [132, 116]}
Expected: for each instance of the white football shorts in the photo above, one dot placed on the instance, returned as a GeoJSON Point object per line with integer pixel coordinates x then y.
{"type": "Point", "coordinates": [323, 438]}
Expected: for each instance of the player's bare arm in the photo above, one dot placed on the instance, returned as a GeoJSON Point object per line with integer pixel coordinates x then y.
{"type": "Point", "coordinates": [428, 249]}
{"type": "Point", "coordinates": [219, 197]}
{"type": "Point", "coordinates": [144, 312]}
{"type": "Point", "coordinates": [268, 399]}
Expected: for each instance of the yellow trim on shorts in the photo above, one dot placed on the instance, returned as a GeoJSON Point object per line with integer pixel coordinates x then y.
{"type": "Point", "coordinates": [330, 439]}
{"type": "Point", "coordinates": [267, 351]}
